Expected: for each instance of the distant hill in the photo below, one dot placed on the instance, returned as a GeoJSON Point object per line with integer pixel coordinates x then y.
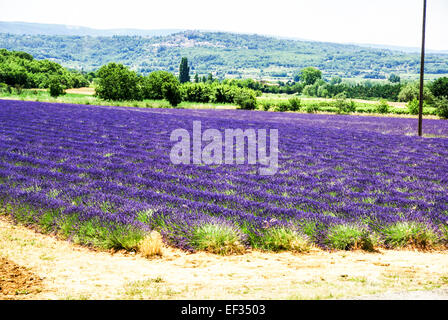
{"type": "Point", "coordinates": [223, 54]}
{"type": "Point", "coordinates": [66, 30]}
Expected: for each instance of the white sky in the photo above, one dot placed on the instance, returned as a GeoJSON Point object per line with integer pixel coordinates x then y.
{"type": "Point", "coordinates": [390, 22]}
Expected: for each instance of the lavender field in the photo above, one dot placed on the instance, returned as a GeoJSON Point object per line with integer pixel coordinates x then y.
{"type": "Point", "coordinates": [102, 176]}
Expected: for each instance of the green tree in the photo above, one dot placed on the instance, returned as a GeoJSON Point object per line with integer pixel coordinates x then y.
{"type": "Point", "coordinates": [117, 82]}
{"type": "Point", "coordinates": [210, 78]}
{"type": "Point", "coordinates": [246, 99]}
{"type": "Point", "coordinates": [335, 80]}
{"type": "Point", "coordinates": [441, 105]}
{"type": "Point", "coordinates": [196, 78]}
{"type": "Point", "coordinates": [184, 71]}
{"type": "Point", "coordinates": [172, 93]}
{"type": "Point", "coordinates": [56, 89]}
{"type": "Point", "coordinates": [152, 84]}
{"type": "Point", "coordinates": [411, 91]}
{"type": "Point", "coordinates": [310, 75]}
{"type": "Point", "coordinates": [394, 78]}
{"type": "Point", "coordinates": [440, 87]}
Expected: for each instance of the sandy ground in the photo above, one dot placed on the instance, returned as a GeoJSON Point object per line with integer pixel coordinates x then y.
{"type": "Point", "coordinates": [84, 90]}
{"type": "Point", "coordinates": [67, 271]}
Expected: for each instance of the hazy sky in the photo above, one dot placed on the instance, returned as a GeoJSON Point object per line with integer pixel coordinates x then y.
{"type": "Point", "coordinates": [392, 22]}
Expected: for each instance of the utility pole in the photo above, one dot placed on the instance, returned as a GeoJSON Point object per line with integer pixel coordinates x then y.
{"type": "Point", "coordinates": [422, 72]}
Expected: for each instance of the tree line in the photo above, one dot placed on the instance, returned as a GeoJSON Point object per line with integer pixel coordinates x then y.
{"type": "Point", "coordinates": [20, 70]}
{"type": "Point", "coordinates": [117, 82]}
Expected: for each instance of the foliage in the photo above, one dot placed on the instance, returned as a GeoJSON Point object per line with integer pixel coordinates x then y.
{"type": "Point", "coordinates": [382, 107]}
{"type": "Point", "coordinates": [282, 238]}
{"type": "Point", "coordinates": [152, 84]}
{"type": "Point", "coordinates": [246, 99]}
{"type": "Point", "coordinates": [441, 105]}
{"type": "Point", "coordinates": [217, 238]}
{"type": "Point", "coordinates": [439, 87]}
{"type": "Point", "coordinates": [310, 75]}
{"type": "Point", "coordinates": [311, 108]}
{"type": "Point", "coordinates": [344, 236]}
{"type": "Point", "coordinates": [225, 55]}
{"type": "Point", "coordinates": [200, 92]}
{"type": "Point", "coordinates": [21, 69]}
{"type": "Point", "coordinates": [343, 105]}
{"type": "Point", "coordinates": [171, 92]}
{"type": "Point", "coordinates": [294, 104]}
{"type": "Point", "coordinates": [55, 88]}
{"type": "Point", "coordinates": [413, 106]}
{"type": "Point", "coordinates": [394, 78]}
{"type": "Point", "coordinates": [222, 93]}
{"type": "Point", "coordinates": [117, 82]}
{"type": "Point", "coordinates": [184, 71]}
{"type": "Point", "coordinates": [409, 233]}
{"type": "Point", "coordinates": [411, 91]}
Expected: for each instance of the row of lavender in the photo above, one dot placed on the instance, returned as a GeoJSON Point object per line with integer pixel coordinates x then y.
{"type": "Point", "coordinates": [105, 172]}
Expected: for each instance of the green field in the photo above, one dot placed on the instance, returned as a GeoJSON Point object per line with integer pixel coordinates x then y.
{"type": "Point", "coordinates": [275, 101]}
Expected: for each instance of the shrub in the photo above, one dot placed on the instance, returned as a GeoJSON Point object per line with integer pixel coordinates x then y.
{"type": "Point", "coordinates": [196, 92]}
{"type": "Point", "coordinates": [351, 106]}
{"type": "Point", "coordinates": [294, 104]}
{"type": "Point", "coordinates": [382, 107]}
{"type": "Point", "coordinates": [441, 105]}
{"type": "Point", "coordinates": [107, 235]}
{"type": "Point", "coordinates": [245, 98]}
{"type": "Point", "coordinates": [55, 88]}
{"type": "Point", "coordinates": [282, 238]}
{"type": "Point", "coordinates": [217, 238]}
{"type": "Point", "coordinates": [266, 105]}
{"type": "Point", "coordinates": [413, 106]}
{"type": "Point", "coordinates": [310, 90]}
{"type": "Point", "coordinates": [311, 108]}
{"type": "Point", "coordinates": [440, 87]}
{"type": "Point", "coordinates": [117, 82]}
{"type": "Point", "coordinates": [4, 88]}
{"type": "Point", "coordinates": [343, 105]}
{"type": "Point", "coordinates": [411, 91]}
{"type": "Point", "coordinates": [345, 237]}
{"type": "Point", "coordinates": [223, 93]}
{"type": "Point", "coordinates": [19, 89]}
{"type": "Point", "coordinates": [282, 106]}
{"type": "Point", "coordinates": [409, 233]}
{"type": "Point", "coordinates": [171, 92]}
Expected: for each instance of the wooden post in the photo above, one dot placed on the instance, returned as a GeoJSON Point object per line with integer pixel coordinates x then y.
{"type": "Point", "coordinates": [422, 72]}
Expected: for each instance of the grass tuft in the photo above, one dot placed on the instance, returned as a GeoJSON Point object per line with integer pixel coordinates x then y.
{"type": "Point", "coordinates": [282, 238]}
{"type": "Point", "coordinates": [217, 238]}
{"type": "Point", "coordinates": [151, 245]}
{"type": "Point", "coordinates": [412, 234]}
{"type": "Point", "coordinates": [346, 237]}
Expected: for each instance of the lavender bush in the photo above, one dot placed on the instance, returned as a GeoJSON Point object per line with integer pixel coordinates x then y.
{"type": "Point", "coordinates": [102, 175]}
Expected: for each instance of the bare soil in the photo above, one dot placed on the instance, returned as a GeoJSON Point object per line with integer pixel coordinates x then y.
{"type": "Point", "coordinates": [16, 280]}
{"type": "Point", "coordinates": [84, 90]}
{"type": "Point", "coordinates": [69, 271]}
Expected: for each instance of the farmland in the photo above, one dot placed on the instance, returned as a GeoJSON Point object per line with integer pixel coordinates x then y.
{"type": "Point", "coordinates": [102, 176]}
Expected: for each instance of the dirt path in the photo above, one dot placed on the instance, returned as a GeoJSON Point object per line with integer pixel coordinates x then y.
{"type": "Point", "coordinates": [67, 271]}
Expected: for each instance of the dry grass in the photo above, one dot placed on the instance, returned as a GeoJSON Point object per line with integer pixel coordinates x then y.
{"type": "Point", "coordinates": [84, 90]}
{"type": "Point", "coordinates": [76, 272]}
{"type": "Point", "coordinates": [151, 245]}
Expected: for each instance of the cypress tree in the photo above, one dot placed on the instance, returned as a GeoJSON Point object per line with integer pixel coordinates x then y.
{"type": "Point", "coordinates": [184, 71]}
